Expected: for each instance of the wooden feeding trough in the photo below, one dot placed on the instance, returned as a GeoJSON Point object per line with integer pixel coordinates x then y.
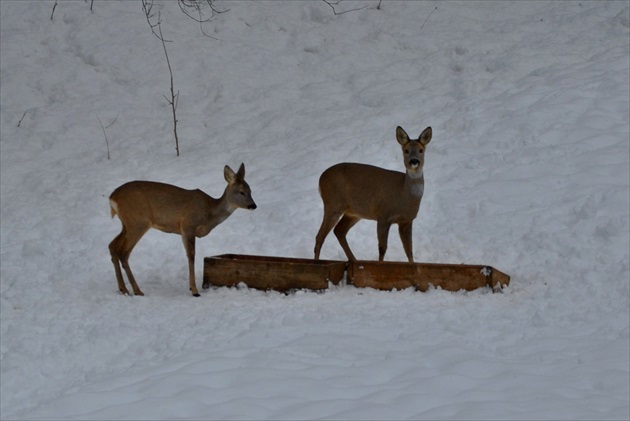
{"type": "Point", "coordinates": [449, 277]}
{"type": "Point", "coordinates": [285, 274]}
{"type": "Point", "coordinates": [271, 273]}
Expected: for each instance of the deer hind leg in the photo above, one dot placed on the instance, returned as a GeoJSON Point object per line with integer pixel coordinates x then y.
{"type": "Point", "coordinates": [382, 228]}
{"type": "Point", "coordinates": [341, 229]}
{"type": "Point", "coordinates": [405, 236]}
{"type": "Point", "coordinates": [330, 220]}
{"type": "Point", "coordinates": [120, 249]}
{"type": "Point", "coordinates": [114, 248]}
{"type": "Point", "coordinates": [189, 245]}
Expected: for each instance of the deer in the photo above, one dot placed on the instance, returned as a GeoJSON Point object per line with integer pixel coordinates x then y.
{"type": "Point", "coordinates": [352, 192]}
{"type": "Point", "coordinates": [142, 205]}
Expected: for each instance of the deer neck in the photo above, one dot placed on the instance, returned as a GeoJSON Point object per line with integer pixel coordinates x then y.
{"type": "Point", "coordinates": [222, 208]}
{"type": "Point", "coordinates": [218, 210]}
{"type": "Point", "coordinates": [414, 184]}
{"type": "Point", "coordinates": [215, 212]}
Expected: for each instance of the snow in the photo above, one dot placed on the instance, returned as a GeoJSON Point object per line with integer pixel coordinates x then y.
{"type": "Point", "coordinates": [528, 171]}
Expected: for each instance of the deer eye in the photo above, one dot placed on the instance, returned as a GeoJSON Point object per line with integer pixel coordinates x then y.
{"type": "Point", "coordinates": [406, 151]}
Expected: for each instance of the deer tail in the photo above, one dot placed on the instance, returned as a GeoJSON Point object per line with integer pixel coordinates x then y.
{"type": "Point", "coordinates": [113, 207]}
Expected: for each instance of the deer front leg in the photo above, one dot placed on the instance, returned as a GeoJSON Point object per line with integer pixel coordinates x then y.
{"type": "Point", "coordinates": [405, 236]}
{"type": "Point", "coordinates": [382, 229]}
{"type": "Point", "coordinates": [189, 245]}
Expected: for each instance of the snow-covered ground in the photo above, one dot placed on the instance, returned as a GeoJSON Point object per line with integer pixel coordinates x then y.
{"type": "Point", "coordinates": [528, 171]}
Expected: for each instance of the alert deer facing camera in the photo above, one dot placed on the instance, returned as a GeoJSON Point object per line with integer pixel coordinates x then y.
{"type": "Point", "coordinates": [352, 192]}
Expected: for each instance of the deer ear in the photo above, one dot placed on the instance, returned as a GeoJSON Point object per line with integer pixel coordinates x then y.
{"type": "Point", "coordinates": [229, 174]}
{"type": "Point", "coordinates": [425, 136]}
{"type": "Point", "coordinates": [241, 171]}
{"type": "Point", "coordinates": [401, 136]}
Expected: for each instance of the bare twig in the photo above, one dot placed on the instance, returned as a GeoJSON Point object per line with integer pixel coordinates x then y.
{"type": "Point", "coordinates": [104, 133]}
{"type": "Point", "coordinates": [53, 11]}
{"type": "Point", "coordinates": [91, 5]}
{"type": "Point", "coordinates": [147, 8]}
{"type": "Point", "coordinates": [113, 121]}
{"type": "Point", "coordinates": [200, 11]}
{"type": "Point", "coordinates": [197, 11]}
{"type": "Point", "coordinates": [23, 115]}
{"type": "Point", "coordinates": [174, 97]}
{"type": "Point", "coordinates": [425, 21]}
{"type": "Point", "coordinates": [199, 8]}
{"type": "Point", "coordinates": [332, 5]}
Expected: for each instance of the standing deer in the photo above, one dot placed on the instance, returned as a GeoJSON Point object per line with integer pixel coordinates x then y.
{"type": "Point", "coordinates": [142, 205]}
{"type": "Point", "coordinates": [352, 192]}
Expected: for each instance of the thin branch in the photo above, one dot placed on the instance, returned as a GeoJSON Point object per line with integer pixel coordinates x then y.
{"type": "Point", "coordinates": [194, 9]}
{"type": "Point", "coordinates": [23, 115]}
{"type": "Point", "coordinates": [198, 6]}
{"type": "Point", "coordinates": [425, 21]}
{"type": "Point", "coordinates": [203, 31]}
{"type": "Point", "coordinates": [147, 8]}
{"type": "Point", "coordinates": [332, 5]}
{"type": "Point", "coordinates": [174, 97]}
{"type": "Point", "coordinates": [113, 121]}
{"type": "Point", "coordinates": [199, 16]}
{"type": "Point", "coordinates": [53, 11]}
{"type": "Point", "coordinates": [104, 133]}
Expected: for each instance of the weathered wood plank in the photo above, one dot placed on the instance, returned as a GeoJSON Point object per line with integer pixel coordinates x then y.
{"type": "Point", "coordinates": [271, 273]}
{"type": "Point", "coordinates": [450, 277]}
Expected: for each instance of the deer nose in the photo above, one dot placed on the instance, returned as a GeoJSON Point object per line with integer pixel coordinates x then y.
{"type": "Point", "coordinates": [252, 206]}
{"type": "Point", "coordinates": [414, 162]}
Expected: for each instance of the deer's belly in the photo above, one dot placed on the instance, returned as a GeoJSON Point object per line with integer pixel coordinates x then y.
{"type": "Point", "coordinates": [168, 228]}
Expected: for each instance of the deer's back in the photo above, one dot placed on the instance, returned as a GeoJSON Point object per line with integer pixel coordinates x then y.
{"type": "Point", "coordinates": [160, 203]}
